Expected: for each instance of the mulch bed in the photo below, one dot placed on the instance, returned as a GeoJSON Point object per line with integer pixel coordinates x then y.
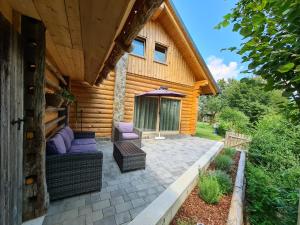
{"type": "Point", "coordinates": [196, 209]}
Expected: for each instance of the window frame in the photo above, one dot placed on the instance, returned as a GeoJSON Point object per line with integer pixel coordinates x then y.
{"type": "Point", "coordinates": [166, 53]}
{"type": "Point", "coordinates": [142, 39]}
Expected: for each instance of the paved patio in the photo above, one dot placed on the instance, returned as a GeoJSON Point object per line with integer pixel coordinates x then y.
{"type": "Point", "coordinates": [123, 196]}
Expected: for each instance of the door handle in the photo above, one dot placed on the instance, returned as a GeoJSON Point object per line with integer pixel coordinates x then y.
{"type": "Point", "coordinates": [18, 121]}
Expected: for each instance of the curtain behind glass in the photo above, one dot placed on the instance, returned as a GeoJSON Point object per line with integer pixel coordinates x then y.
{"type": "Point", "coordinates": [169, 114]}
{"type": "Point", "coordinates": [145, 113]}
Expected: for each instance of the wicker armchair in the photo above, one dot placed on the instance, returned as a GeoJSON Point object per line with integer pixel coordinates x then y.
{"type": "Point", "coordinates": [72, 174]}
{"type": "Point", "coordinates": [134, 135]}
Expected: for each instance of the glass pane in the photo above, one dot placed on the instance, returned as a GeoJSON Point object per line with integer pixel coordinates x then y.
{"type": "Point", "coordinates": [138, 47]}
{"type": "Point", "coordinates": [160, 53]}
{"type": "Point", "coordinates": [169, 114]}
{"type": "Point", "coordinates": [145, 113]}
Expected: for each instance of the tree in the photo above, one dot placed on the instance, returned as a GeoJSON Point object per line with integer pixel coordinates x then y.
{"type": "Point", "coordinates": [271, 30]}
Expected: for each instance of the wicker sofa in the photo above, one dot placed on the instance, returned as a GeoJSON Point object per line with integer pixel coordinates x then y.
{"type": "Point", "coordinates": [126, 132]}
{"type": "Point", "coordinates": [73, 164]}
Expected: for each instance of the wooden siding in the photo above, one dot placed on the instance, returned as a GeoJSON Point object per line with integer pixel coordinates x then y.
{"type": "Point", "coordinates": [175, 70]}
{"type": "Point", "coordinates": [96, 104]}
{"type": "Point", "coordinates": [136, 84]}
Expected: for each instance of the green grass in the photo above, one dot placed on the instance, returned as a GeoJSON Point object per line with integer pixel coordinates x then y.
{"type": "Point", "coordinates": [205, 130]}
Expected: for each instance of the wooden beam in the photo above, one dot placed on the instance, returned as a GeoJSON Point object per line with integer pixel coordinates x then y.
{"type": "Point", "coordinates": [141, 12]}
{"type": "Point", "coordinates": [51, 84]}
{"type": "Point", "coordinates": [35, 197]}
{"type": "Point", "coordinates": [54, 131]}
{"type": "Point", "coordinates": [54, 109]}
{"type": "Point", "coordinates": [53, 122]}
{"type": "Point", "coordinates": [201, 83]}
{"type": "Point", "coordinates": [55, 71]}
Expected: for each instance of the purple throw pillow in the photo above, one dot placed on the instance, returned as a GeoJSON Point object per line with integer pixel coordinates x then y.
{"type": "Point", "coordinates": [66, 138]}
{"type": "Point", "coordinates": [125, 127]}
{"type": "Point", "coordinates": [70, 132]}
{"type": "Point", "coordinates": [56, 145]}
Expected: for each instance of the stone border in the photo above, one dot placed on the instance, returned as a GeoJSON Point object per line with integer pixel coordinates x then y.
{"type": "Point", "coordinates": [162, 210]}
{"type": "Point", "coordinates": [235, 216]}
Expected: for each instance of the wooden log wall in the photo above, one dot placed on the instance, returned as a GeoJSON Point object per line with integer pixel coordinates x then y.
{"type": "Point", "coordinates": [96, 104]}
{"type": "Point", "coordinates": [136, 84]}
{"type": "Point", "coordinates": [11, 128]}
{"type": "Point", "coordinates": [55, 118]}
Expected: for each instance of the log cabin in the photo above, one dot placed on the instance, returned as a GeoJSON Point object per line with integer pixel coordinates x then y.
{"type": "Point", "coordinates": [106, 53]}
{"type": "Point", "coordinates": [44, 45]}
{"type": "Point", "coordinates": [163, 55]}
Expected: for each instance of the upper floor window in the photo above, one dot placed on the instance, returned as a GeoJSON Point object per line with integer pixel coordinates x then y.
{"type": "Point", "coordinates": [160, 53]}
{"type": "Point", "coordinates": [139, 46]}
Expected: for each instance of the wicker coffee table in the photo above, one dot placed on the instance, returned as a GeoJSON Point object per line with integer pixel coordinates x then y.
{"type": "Point", "coordinates": [128, 156]}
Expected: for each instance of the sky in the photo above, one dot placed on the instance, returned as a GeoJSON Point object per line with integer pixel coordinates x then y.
{"type": "Point", "coordinates": [200, 17]}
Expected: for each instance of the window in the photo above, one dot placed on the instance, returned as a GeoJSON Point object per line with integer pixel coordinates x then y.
{"type": "Point", "coordinates": [160, 53]}
{"type": "Point", "coordinates": [139, 47]}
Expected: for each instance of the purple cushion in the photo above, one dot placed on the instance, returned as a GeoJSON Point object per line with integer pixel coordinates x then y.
{"type": "Point", "coordinates": [83, 141]}
{"type": "Point", "coordinates": [125, 127]}
{"type": "Point", "coordinates": [129, 136]}
{"type": "Point", "coordinates": [83, 148]}
{"type": "Point", "coordinates": [66, 138]}
{"type": "Point", "coordinates": [56, 145]}
{"type": "Point", "coordinates": [70, 132]}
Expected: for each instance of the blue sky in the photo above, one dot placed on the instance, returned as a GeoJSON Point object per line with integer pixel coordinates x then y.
{"type": "Point", "coordinates": [200, 17]}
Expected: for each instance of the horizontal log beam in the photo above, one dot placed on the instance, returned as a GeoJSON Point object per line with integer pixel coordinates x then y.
{"type": "Point", "coordinates": [55, 71]}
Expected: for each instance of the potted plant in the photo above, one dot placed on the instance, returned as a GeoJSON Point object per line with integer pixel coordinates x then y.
{"type": "Point", "coordinates": [67, 96]}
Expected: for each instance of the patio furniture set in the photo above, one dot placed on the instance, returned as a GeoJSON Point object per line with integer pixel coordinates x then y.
{"type": "Point", "coordinates": [74, 165]}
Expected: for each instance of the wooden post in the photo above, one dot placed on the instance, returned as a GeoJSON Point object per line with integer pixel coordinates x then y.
{"type": "Point", "coordinates": [11, 115]}
{"type": "Point", "coordinates": [35, 198]}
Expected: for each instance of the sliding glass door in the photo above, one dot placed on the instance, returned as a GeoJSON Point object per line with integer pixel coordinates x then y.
{"type": "Point", "coordinates": [169, 114]}
{"type": "Point", "coordinates": [146, 114]}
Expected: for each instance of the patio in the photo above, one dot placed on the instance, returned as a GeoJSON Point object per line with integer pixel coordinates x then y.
{"type": "Point", "coordinates": [124, 196]}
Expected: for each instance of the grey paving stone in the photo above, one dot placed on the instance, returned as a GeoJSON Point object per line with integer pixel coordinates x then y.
{"type": "Point", "coordinates": [122, 218]}
{"type": "Point", "coordinates": [105, 195]}
{"type": "Point", "coordinates": [137, 202]}
{"type": "Point", "coordinates": [123, 207]}
{"type": "Point", "coordinates": [106, 221]}
{"type": "Point", "coordinates": [101, 205]}
{"type": "Point", "coordinates": [117, 200]}
{"type": "Point", "coordinates": [77, 221]}
{"type": "Point", "coordinates": [134, 212]}
{"type": "Point", "coordinates": [110, 211]}
{"type": "Point", "coordinates": [85, 210]}
{"type": "Point", "coordinates": [166, 161]}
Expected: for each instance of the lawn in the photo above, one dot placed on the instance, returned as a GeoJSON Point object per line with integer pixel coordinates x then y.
{"type": "Point", "coordinates": [205, 130]}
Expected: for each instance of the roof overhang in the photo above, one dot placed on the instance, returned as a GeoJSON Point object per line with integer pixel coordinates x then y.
{"type": "Point", "coordinates": [172, 23]}
{"type": "Point", "coordinates": [81, 35]}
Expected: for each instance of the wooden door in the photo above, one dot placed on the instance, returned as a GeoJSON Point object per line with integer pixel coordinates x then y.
{"type": "Point", "coordinates": [11, 130]}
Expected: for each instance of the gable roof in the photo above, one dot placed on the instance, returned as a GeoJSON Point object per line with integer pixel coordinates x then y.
{"type": "Point", "coordinates": [169, 18]}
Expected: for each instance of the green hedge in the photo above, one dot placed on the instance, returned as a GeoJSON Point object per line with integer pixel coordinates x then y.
{"type": "Point", "coordinates": [273, 172]}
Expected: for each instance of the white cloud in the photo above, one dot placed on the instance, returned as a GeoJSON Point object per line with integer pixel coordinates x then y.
{"type": "Point", "coordinates": [220, 70]}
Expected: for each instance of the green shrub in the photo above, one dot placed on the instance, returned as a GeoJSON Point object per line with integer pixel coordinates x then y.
{"type": "Point", "coordinates": [273, 172]}
{"type": "Point", "coordinates": [232, 120]}
{"type": "Point", "coordinates": [185, 222]}
{"type": "Point", "coordinates": [224, 181]}
{"type": "Point", "coordinates": [223, 162]}
{"type": "Point", "coordinates": [229, 151]}
{"type": "Point", "coordinates": [209, 189]}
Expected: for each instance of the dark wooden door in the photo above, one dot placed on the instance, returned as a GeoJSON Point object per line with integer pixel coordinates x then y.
{"type": "Point", "coordinates": [11, 130]}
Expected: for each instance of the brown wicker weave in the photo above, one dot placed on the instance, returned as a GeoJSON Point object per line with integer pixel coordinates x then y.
{"type": "Point", "coordinates": [128, 156]}
{"type": "Point", "coordinates": [118, 137]}
{"type": "Point", "coordinates": [72, 174]}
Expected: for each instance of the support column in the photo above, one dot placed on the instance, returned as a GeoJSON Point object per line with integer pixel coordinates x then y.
{"type": "Point", "coordinates": [120, 90]}
{"type": "Point", "coordinates": [35, 197]}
